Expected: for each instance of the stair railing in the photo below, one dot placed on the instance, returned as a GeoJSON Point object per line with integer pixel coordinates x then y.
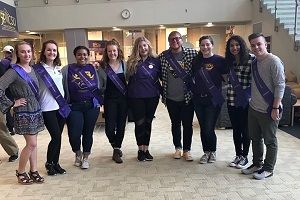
{"type": "Point", "coordinates": [296, 43]}
{"type": "Point", "coordinates": [276, 20]}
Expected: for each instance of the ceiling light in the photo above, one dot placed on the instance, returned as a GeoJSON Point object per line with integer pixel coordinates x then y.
{"type": "Point", "coordinates": [209, 24]}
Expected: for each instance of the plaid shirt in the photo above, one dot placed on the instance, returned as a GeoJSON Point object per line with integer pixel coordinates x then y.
{"type": "Point", "coordinates": [243, 74]}
{"type": "Point", "coordinates": [188, 56]}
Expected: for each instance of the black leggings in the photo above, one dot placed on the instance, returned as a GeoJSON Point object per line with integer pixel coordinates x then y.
{"type": "Point", "coordinates": [143, 110]}
{"type": "Point", "coordinates": [115, 110]}
{"type": "Point", "coordinates": [54, 123]}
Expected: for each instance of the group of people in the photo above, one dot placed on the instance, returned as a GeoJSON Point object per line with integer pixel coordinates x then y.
{"type": "Point", "coordinates": [188, 81]}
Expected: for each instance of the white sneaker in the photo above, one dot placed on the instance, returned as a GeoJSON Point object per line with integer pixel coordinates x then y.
{"type": "Point", "coordinates": [85, 164]}
{"type": "Point", "coordinates": [251, 169]}
{"type": "Point", "coordinates": [235, 161]}
{"type": "Point", "coordinates": [177, 154]}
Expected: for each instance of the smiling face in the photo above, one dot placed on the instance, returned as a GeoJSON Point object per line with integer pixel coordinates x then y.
{"type": "Point", "coordinates": [234, 47]}
{"type": "Point", "coordinates": [175, 41]}
{"type": "Point", "coordinates": [50, 52]}
{"type": "Point", "coordinates": [82, 56]}
{"type": "Point", "coordinates": [112, 52]}
{"type": "Point", "coordinates": [24, 54]}
{"type": "Point", "coordinates": [143, 49]}
{"type": "Point", "coordinates": [259, 47]}
{"type": "Point", "coordinates": [206, 48]}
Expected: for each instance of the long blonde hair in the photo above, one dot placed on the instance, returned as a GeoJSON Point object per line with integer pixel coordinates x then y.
{"type": "Point", "coordinates": [135, 57]}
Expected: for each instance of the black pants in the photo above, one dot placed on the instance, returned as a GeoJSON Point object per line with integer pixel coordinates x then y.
{"type": "Point", "coordinates": [239, 121]}
{"type": "Point", "coordinates": [54, 123]}
{"type": "Point", "coordinates": [115, 110]}
{"type": "Point", "coordinates": [143, 110]}
{"type": "Point", "coordinates": [181, 113]}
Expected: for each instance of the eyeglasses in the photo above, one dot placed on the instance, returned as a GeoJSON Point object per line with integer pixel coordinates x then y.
{"type": "Point", "coordinates": [174, 38]}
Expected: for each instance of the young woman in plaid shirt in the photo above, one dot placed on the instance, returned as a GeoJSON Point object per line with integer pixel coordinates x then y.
{"type": "Point", "coordinates": [239, 62]}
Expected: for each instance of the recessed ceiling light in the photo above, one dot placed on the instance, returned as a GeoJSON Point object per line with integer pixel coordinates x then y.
{"type": "Point", "coordinates": [209, 24]}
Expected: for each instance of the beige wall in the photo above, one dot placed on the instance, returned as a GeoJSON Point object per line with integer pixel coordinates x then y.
{"type": "Point", "coordinates": [34, 15]}
{"type": "Point", "coordinates": [282, 44]}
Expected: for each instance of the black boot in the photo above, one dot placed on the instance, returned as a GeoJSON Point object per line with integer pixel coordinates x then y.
{"type": "Point", "coordinates": [50, 169]}
{"type": "Point", "coordinates": [59, 169]}
{"type": "Point", "coordinates": [116, 156]}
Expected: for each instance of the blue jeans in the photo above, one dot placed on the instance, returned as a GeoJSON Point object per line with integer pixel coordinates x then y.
{"type": "Point", "coordinates": [207, 116]}
{"type": "Point", "coordinates": [81, 121]}
{"type": "Point", "coordinates": [181, 113]}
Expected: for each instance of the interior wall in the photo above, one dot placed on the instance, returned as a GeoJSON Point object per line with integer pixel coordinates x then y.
{"type": "Point", "coordinates": [281, 42]}
{"type": "Point", "coordinates": [34, 15]}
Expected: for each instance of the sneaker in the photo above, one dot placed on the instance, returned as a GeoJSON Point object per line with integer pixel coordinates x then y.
{"type": "Point", "coordinates": [251, 169]}
{"type": "Point", "coordinates": [148, 156]}
{"type": "Point", "coordinates": [50, 169]}
{"type": "Point", "coordinates": [116, 156]}
{"type": "Point", "coordinates": [141, 156]}
{"type": "Point", "coordinates": [212, 157]}
{"type": "Point", "coordinates": [262, 174]}
{"type": "Point", "coordinates": [243, 162]}
{"type": "Point", "coordinates": [177, 154]}
{"type": "Point", "coordinates": [13, 158]}
{"type": "Point", "coordinates": [187, 156]}
{"type": "Point", "coordinates": [85, 163]}
{"type": "Point", "coordinates": [204, 158]}
{"type": "Point", "coordinates": [59, 169]}
{"type": "Point", "coordinates": [235, 161]}
{"type": "Point", "coordinates": [78, 158]}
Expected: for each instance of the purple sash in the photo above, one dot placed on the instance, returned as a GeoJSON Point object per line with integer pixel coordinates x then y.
{"type": "Point", "coordinates": [241, 96]}
{"type": "Point", "coordinates": [217, 97]}
{"type": "Point", "coordinates": [187, 79]}
{"type": "Point", "coordinates": [64, 109]}
{"type": "Point", "coordinates": [23, 74]}
{"type": "Point", "coordinates": [155, 81]}
{"type": "Point", "coordinates": [263, 89]}
{"type": "Point", "coordinates": [116, 80]}
{"type": "Point", "coordinates": [97, 100]}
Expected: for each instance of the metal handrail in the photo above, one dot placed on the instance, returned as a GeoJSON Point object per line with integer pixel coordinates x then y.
{"type": "Point", "coordinates": [276, 21]}
{"type": "Point", "coordinates": [296, 46]}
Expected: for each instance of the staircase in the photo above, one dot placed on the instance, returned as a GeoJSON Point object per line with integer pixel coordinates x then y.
{"type": "Point", "coordinates": [286, 14]}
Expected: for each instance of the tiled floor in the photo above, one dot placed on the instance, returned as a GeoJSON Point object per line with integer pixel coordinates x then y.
{"type": "Point", "coordinates": [163, 178]}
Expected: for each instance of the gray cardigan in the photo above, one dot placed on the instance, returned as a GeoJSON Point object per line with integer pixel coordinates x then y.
{"type": "Point", "coordinates": [101, 76]}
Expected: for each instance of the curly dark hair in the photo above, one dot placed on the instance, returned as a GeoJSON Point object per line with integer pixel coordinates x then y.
{"type": "Point", "coordinates": [243, 54]}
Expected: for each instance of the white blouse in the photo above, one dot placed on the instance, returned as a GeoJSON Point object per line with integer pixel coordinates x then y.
{"type": "Point", "coordinates": [47, 101]}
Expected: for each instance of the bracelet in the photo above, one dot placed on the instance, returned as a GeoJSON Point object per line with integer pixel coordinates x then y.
{"type": "Point", "coordinates": [276, 108]}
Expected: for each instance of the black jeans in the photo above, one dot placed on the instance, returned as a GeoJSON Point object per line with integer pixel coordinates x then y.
{"type": "Point", "coordinates": [181, 113]}
{"type": "Point", "coordinates": [143, 110]}
{"type": "Point", "coordinates": [207, 115]}
{"type": "Point", "coordinates": [239, 121]}
{"type": "Point", "coordinates": [81, 122]}
{"type": "Point", "coordinates": [115, 110]}
{"type": "Point", "coordinates": [54, 123]}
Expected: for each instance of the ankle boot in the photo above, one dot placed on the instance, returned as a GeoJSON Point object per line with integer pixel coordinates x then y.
{"type": "Point", "coordinates": [116, 156]}
{"type": "Point", "coordinates": [59, 169]}
{"type": "Point", "coordinates": [50, 169]}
